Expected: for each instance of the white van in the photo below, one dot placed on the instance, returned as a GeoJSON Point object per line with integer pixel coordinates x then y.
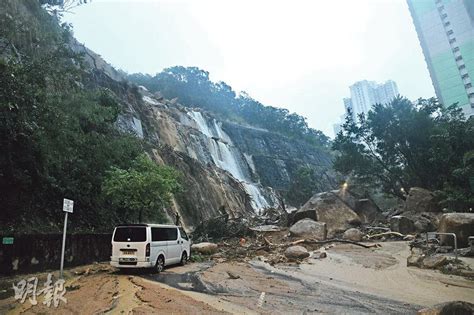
{"type": "Point", "coordinates": [149, 246]}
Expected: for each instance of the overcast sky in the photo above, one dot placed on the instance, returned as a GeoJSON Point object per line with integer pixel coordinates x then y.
{"type": "Point", "coordinates": [297, 54]}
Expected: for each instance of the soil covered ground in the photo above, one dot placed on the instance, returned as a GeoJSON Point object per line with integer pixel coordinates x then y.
{"type": "Point", "coordinates": [350, 279]}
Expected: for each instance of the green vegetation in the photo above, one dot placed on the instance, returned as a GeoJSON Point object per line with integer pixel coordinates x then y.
{"type": "Point", "coordinates": [303, 186]}
{"type": "Point", "coordinates": [193, 88]}
{"type": "Point", "coordinates": [401, 145]}
{"type": "Point", "coordinates": [144, 189]}
{"type": "Point", "coordinates": [58, 130]}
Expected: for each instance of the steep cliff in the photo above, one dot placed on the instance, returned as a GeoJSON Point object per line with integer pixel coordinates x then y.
{"type": "Point", "coordinates": [275, 159]}
{"type": "Point", "coordinates": [227, 168]}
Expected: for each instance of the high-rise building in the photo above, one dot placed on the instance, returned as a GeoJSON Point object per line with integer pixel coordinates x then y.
{"type": "Point", "coordinates": [446, 32]}
{"type": "Point", "coordinates": [365, 94]}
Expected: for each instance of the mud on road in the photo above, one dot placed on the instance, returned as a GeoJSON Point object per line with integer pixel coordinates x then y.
{"type": "Point", "coordinates": [350, 280]}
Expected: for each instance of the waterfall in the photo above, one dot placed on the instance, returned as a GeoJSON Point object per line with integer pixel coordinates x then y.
{"type": "Point", "coordinates": [227, 157]}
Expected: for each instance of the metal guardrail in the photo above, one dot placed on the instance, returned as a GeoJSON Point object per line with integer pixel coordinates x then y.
{"type": "Point", "coordinates": [448, 234]}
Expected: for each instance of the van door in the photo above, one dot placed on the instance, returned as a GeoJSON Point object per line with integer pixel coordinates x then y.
{"type": "Point", "coordinates": [185, 244]}
{"type": "Point", "coordinates": [174, 246]}
{"type": "Point", "coordinates": [159, 244]}
{"type": "Point", "coordinates": [129, 244]}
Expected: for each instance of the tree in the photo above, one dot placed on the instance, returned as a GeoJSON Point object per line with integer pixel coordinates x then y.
{"type": "Point", "coordinates": [302, 187]}
{"type": "Point", "coordinates": [402, 145]}
{"type": "Point", "coordinates": [143, 189]}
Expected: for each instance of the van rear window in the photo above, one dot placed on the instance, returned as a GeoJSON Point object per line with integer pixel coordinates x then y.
{"type": "Point", "coordinates": [130, 234]}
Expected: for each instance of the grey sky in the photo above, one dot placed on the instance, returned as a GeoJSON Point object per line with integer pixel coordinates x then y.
{"type": "Point", "coordinates": [297, 54]}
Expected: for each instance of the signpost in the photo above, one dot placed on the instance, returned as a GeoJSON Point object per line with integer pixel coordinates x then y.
{"type": "Point", "coordinates": [67, 208]}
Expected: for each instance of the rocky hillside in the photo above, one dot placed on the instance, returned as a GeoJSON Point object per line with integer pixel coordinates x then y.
{"type": "Point", "coordinates": [227, 168]}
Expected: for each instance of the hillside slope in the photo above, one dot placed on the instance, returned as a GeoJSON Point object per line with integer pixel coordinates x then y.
{"type": "Point", "coordinates": [85, 118]}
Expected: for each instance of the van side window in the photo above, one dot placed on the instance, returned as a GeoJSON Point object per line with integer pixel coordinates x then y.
{"type": "Point", "coordinates": [172, 234]}
{"type": "Point", "coordinates": [158, 234]}
{"type": "Point", "coordinates": [183, 234]}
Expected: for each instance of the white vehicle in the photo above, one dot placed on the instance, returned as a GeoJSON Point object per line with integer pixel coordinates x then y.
{"type": "Point", "coordinates": [149, 246]}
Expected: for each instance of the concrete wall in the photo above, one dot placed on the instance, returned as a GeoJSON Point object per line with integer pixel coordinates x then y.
{"type": "Point", "coordinates": [43, 251]}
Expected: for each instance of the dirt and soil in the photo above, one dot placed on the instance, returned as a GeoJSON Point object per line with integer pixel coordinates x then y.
{"type": "Point", "coordinates": [350, 279]}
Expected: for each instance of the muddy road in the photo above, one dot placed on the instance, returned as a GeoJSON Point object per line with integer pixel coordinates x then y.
{"type": "Point", "coordinates": [351, 280]}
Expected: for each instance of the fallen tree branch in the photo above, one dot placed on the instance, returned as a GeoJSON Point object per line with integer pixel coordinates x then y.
{"type": "Point", "coordinates": [386, 233]}
{"type": "Point", "coordinates": [337, 240]}
{"type": "Point", "coordinates": [332, 240]}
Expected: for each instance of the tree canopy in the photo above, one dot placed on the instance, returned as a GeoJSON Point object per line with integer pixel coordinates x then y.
{"type": "Point", "coordinates": [142, 190]}
{"type": "Point", "coordinates": [193, 87]}
{"type": "Point", "coordinates": [402, 145]}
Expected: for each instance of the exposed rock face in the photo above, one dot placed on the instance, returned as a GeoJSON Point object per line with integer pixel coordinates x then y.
{"type": "Point", "coordinates": [401, 224]}
{"type": "Point", "coordinates": [461, 224]}
{"type": "Point", "coordinates": [296, 252]}
{"type": "Point", "coordinates": [204, 248]}
{"type": "Point", "coordinates": [421, 200]}
{"type": "Point", "coordinates": [329, 208]}
{"type": "Point", "coordinates": [309, 229]}
{"type": "Point", "coordinates": [276, 158]}
{"type": "Point", "coordinates": [208, 192]}
{"type": "Point", "coordinates": [353, 234]}
{"type": "Point", "coordinates": [449, 308]}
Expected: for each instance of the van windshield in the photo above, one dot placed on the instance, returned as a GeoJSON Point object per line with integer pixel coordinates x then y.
{"type": "Point", "coordinates": [130, 234]}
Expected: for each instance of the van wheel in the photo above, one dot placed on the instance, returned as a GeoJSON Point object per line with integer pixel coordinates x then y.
{"type": "Point", "coordinates": [184, 259]}
{"type": "Point", "coordinates": [160, 264]}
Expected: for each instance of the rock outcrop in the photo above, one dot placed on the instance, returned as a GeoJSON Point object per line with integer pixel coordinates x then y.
{"type": "Point", "coordinates": [461, 224]}
{"type": "Point", "coordinates": [329, 208]}
{"type": "Point", "coordinates": [421, 200]}
{"type": "Point", "coordinates": [276, 159]}
{"type": "Point", "coordinates": [309, 228]}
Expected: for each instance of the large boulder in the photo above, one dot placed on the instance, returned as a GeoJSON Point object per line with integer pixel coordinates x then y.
{"type": "Point", "coordinates": [421, 200]}
{"type": "Point", "coordinates": [204, 248]}
{"type": "Point", "coordinates": [308, 228]}
{"type": "Point", "coordinates": [296, 252]}
{"type": "Point", "coordinates": [353, 234]}
{"type": "Point", "coordinates": [367, 210]}
{"type": "Point", "coordinates": [401, 224]}
{"type": "Point", "coordinates": [449, 308]}
{"type": "Point", "coordinates": [461, 224]}
{"type": "Point", "coordinates": [328, 207]}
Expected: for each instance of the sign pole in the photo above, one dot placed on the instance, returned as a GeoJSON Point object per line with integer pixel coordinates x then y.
{"type": "Point", "coordinates": [64, 245]}
{"type": "Point", "coordinates": [67, 207]}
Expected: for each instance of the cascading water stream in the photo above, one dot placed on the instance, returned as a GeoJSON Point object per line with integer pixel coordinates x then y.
{"type": "Point", "coordinates": [226, 157]}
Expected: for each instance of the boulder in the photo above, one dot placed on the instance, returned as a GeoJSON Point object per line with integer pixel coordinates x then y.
{"type": "Point", "coordinates": [367, 210]}
{"type": "Point", "coordinates": [296, 252]}
{"type": "Point", "coordinates": [416, 258]}
{"type": "Point", "coordinates": [423, 224]}
{"type": "Point", "coordinates": [401, 224]}
{"type": "Point", "coordinates": [204, 248]}
{"type": "Point", "coordinates": [461, 224]}
{"type": "Point", "coordinates": [353, 234]}
{"type": "Point", "coordinates": [308, 228]}
{"type": "Point", "coordinates": [329, 208]}
{"type": "Point", "coordinates": [421, 200]}
{"type": "Point", "coordinates": [449, 308]}
{"type": "Point", "coordinates": [435, 261]}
